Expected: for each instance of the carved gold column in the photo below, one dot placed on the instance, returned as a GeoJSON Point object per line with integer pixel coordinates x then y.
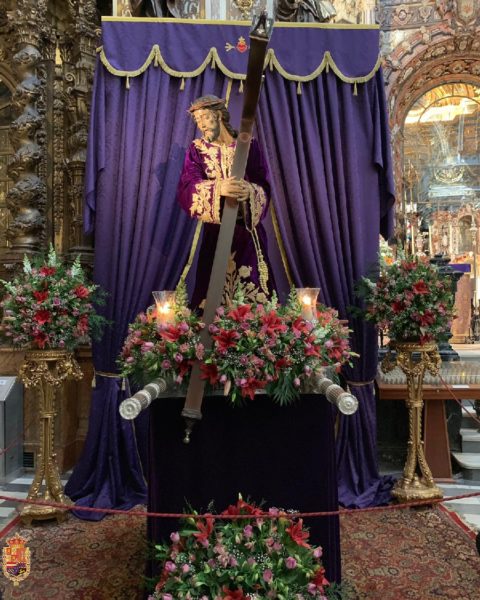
{"type": "Point", "coordinates": [26, 199]}
{"type": "Point", "coordinates": [79, 54]}
{"type": "Point", "coordinates": [414, 359]}
{"type": "Point", "coordinates": [46, 370]}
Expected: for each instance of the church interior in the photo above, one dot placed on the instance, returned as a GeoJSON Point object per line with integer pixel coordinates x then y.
{"type": "Point", "coordinates": [242, 153]}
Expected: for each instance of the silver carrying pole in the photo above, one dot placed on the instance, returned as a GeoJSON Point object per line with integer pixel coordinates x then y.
{"type": "Point", "coordinates": [130, 408]}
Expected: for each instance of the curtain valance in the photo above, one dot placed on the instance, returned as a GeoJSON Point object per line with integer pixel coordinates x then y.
{"type": "Point", "coordinates": [185, 48]}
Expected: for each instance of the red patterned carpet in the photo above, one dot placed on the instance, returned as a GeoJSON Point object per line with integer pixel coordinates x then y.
{"type": "Point", "coordinates": [409, 554]}
{"type": "Point", "coordinates": [391, 555]}
{"type": "Point", "coordinates": [82, 560]}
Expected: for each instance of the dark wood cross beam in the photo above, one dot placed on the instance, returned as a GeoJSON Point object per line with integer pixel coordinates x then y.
{"type": "Point", "coordinates": [259, 37]}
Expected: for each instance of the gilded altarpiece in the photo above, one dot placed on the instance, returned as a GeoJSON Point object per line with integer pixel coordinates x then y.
{"type": "Point", "coordinates": [47, 53]}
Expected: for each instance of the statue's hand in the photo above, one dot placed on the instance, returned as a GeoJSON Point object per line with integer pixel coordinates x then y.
{"type": "Point", "coordinates": [235, 188]}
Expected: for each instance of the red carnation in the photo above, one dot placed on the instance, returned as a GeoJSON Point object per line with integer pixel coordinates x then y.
{"type": "Point", "coordinates": [41, 296]}
{"type": "Point", "coordinates": [47, 271]}
{"type": "Point", "coordinates": [81, 291]}
{"type": "Point", "coordinates": [43, 316]}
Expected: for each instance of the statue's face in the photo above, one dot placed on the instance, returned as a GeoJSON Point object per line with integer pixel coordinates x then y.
{"type": "Point", "coordinates": [208, 121]}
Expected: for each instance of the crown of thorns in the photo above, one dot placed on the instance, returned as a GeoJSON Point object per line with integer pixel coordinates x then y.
{"type": "Point", "coordinates": [211, 102]}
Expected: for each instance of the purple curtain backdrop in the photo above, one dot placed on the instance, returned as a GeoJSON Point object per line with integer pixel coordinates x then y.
{"type": "Point", "coordinates": [142, 238]}
{"type": "Point", "coordinates": [332, 187]}
{"type": "Point", "coordinates": [329, 158]}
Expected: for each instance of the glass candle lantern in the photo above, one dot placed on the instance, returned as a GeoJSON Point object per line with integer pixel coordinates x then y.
{"type": "Point", "coordinates": [164, 306]}
{"type": "Point", "coordinates": [308, 302]}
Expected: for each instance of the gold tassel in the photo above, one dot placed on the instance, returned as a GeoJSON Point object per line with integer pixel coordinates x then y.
{"type": "Point", "coordinates": [124, 387]}
{"type": "Point", "coordinates": [327, 67]}
{"type": "Point", "coordinates": [240, 88]}
{"type": "Point", "coordinates": [355, 90]}
{"type": "Point", "coordinates": [228, 92]}
{"type": "Point", "coordinates": [212, 62]}
{"type": "Point", "coordinates": [94, 380]}
{"type": "Point", "coordinates": [182, 84]}
{"type": "Point", "coordinates": [299, 88]}
{"type": "Point", "coordinates": [127, 83]}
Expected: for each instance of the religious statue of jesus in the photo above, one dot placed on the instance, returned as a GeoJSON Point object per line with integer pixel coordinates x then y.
{"type": "Point", "coordinates": [205, 182]}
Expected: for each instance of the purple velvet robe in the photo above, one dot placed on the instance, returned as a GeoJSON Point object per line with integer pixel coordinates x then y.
{"type": "Point", "coordinates": [205, 166]}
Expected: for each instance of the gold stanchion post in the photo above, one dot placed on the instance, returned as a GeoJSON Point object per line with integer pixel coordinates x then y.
{"type": "Point", "coordinates": [414, 359]}
{"type": "Point", "coordinates": [47, 370]}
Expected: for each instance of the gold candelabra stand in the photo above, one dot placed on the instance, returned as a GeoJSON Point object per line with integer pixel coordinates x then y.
{"type": "Point", "coordinates": [414, 359]}
{"type": "Point", "coordinates": [46, 370]}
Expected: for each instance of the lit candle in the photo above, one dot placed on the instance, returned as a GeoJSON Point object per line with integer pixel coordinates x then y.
{"type": "Point", "coordinates": [164, 303]}
{"type": "Point", "coordinates": [308, 302]}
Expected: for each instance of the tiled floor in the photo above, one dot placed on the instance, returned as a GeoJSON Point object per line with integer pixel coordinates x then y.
{"type": "Point", "coordinates": [468, 509]}
{"type": "Point", "coordinates": [18, 488]}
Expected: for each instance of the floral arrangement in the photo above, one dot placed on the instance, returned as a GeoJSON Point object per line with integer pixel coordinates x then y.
{"type": "Point", "coordinates": [50, 305]}
{"type": "Point", "coordinates": [255, 346]}
{"type": "Point", "coordinates": [242, 559]}
{"type": "Point", "coordinates": [409, 300]}
{"type": "Point", "coordinates": [163, 350]}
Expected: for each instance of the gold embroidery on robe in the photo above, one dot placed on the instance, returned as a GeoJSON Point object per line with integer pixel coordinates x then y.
{"type": "Point", "coordinates": [257, 201]}
{"type": "Point", "coordinates": [236, 278]}
{"type": "Point", "coordinates": [202, 206]}
{"type": "Point", "coordinates": [206, 203]}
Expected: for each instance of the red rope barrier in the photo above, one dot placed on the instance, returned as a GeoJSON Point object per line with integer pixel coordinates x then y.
{"type": "Point", "coordinates": [263, 515]}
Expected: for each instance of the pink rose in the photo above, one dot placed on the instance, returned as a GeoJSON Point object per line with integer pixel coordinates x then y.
{"type": "Point", "coordinates": [290, 562]}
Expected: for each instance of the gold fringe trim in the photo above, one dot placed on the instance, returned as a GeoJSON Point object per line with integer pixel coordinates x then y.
{"type": "Point", "coordinates": [107, 19]}
{"type": "Point", "coordinates": [213, 59]}
{"type": "Point", "coordinates": [281, 246]}
{"type": "Point", "coordinates": [196, 237]}
{"type": "Point", "coordinates": [327, 62]}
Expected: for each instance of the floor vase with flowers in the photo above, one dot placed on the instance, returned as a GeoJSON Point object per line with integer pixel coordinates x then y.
{"type": "Point", "coordinates": [414, 359]}
{"type": "Point", "coordinates": [46, 370]}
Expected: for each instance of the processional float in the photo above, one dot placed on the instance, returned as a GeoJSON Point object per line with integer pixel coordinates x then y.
{"type": "Point", "coordinates": [192, 410]}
